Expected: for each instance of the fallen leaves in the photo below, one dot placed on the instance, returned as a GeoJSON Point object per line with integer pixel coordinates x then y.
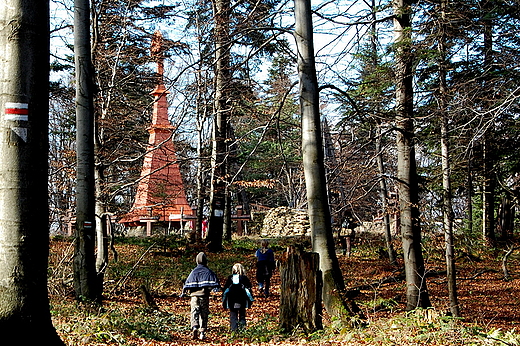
{"type": "Point", "coordinates": [488, 303]}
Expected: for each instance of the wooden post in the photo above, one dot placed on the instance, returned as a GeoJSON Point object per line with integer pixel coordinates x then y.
{"type": "Point", "coordinates": [300, 295]}
{"type": "Point", "coordinates": [240, 225]}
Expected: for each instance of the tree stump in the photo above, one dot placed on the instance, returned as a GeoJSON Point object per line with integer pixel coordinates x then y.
{"type": "Point", "coordinates": [301, 288]}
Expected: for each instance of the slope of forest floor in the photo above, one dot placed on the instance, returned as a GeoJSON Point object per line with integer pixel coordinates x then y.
{"type": "Point", "coordinates": [489, 303]}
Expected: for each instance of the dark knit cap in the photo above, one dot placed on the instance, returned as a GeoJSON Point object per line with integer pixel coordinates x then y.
{"type": "Point", "coordinates": [202, 259]}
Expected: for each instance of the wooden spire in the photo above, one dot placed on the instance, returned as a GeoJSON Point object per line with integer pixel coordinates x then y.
{"type": "Point", "coordinates": [160, 195]}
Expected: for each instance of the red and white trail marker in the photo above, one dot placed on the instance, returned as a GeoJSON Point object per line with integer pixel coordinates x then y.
{"type": "Point", "coordinates": [16, 111]}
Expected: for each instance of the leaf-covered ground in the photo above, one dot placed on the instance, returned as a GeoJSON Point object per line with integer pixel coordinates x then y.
{"type": "Point", "coordinates": [489, 303]}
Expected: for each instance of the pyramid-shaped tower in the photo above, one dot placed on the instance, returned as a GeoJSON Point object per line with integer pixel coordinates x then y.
{"type": "Point", "coordinates": [160, 200]}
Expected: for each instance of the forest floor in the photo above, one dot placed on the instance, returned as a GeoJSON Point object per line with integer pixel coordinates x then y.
{"type": "Point", "coordinates": [489, 303]}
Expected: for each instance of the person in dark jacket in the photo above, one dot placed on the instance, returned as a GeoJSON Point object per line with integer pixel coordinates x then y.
{"type": "Point", "coordinates": [237, 296]}
{"type": "Point", "coordinates": [198, 286]}
{"type": "Point", "coordinates": [264, 267]}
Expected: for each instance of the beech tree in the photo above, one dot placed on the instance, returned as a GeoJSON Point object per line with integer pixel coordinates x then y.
{"type": "Point", "coordinates": [85, 276]}
{"type": "Point", "coordinates": [313, 162]}
{"type": "Point", "coordinates": [24, 232]}
{"type": "Point", "coordinates": [408, 189]}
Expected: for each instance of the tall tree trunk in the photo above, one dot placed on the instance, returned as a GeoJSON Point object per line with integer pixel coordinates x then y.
{"type": "Point", "coordinates": [101, 225]}
{"type": "Point", "coordinates": [201, 116]}
{"type": "Point", "coordinates": [416, 292]}
{"type": "Point", "coordinates": [222, 109]}
{"type": "Point", "coordinates": [383, 189]}
{"type": "Point", "coordinates": [488, 192]}
{"type": "Point", "coordinates": [313, 163]}
{"type": "Point", "coordinates": [488, 174]}
{"type": "Point", "coordinates": [383, 195]}
{"type": "Point", "coordinates": [24, 216]}
{"type": "Point", "coordinates": [469, 187]}
{"type": "Point", "coordinates": [446, 170]}
{"type": "Point", "coordinates": [85, 277]}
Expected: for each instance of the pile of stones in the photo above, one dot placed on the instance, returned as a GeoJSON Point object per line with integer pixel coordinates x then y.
{"type": "Point", "coordinates": [285, 222]}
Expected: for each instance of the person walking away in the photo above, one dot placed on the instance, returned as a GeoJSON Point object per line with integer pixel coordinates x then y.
{"type": "Point", "coordinates": [264, 267]}
{"type": "Point", "coordinates": [198, 286]}
{"type": "Point", "coordinates": [237, 296]}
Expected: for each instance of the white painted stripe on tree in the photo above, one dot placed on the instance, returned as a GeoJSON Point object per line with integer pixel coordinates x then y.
{"type": "Point", "coordinates": [16, 111]}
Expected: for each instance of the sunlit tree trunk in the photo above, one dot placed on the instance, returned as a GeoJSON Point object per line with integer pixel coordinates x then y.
{"type": "Point", "coordinates": [416, 292]}
{"type": "Point", "coordinates": [101, 228]}
{"type": "Point", "coordinates": [85, 284]}
{"type": "Point", "coordinates": [24, 214]}
{"type": "Point", "coordinates": [383, 195]}
{"type": "Point", "coordinates": [313, 162]}
{"type": "Point", "coordinates": [446, 170]}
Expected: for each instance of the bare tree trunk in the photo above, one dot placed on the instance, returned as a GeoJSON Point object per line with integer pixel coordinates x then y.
{"type": "Point", "coordinates": [383, 189]}
{"type": "Point", "coordinates": [506, 217]}
{"type": "Point", "coordinates": [446, 170]}
{"type": "Point", "coordinates": [313, 162]}
{"type": "Point", "coordinates": [102, 221]}
{"type": "Point", "coordinates": [488, 174]}
{"type": "Point", "coordinates": [24, 216]}
{"type": "Point", "coordinates": [448, 220]}
{"type": "Point", "coordinates": [416, 292]}
{"type": "Point", "coordinates": [222, 108]}
{"type": "Point", "coordinates": [85, 277]}
{"type": "Point", "coordinates": [469, 188]}
{"type": "Point", "coordinates": [383, 195]}
{"type": "Point", "coordinates": [488, 193]}
{"type": "Point", "coordinates": [201, 116]}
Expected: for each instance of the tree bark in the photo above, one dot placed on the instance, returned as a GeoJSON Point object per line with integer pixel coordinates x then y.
{"type": "Point", "coordinates": [488, 173]}
{"type": "Point", "coordinates": [469, 188]}
{"type": "Point", "coordinates": [25, 317]}
{"type": "Point", "coordinates": [313, 162]}
{"type": "Point", "coordinates": [416, 292]}
{"type": "Point", "coordinates": [383, 189]}
{"type": "Point", "coordinates": [85, 277]}
{"type": "Point", "coordinates": [383, 195]}
{"type": "Point", "coordinates": [488, 192]}
{"type": "Point", "coordinates": [506, 217]}
{"type": "Point", "coordinates": [300, 300]}
{"type": "Point", "coordinates": [446, 170]}
{"type": "Point", "coordinates": [201, 117]}
{"type": "Point", "coordinates": [222, 108]}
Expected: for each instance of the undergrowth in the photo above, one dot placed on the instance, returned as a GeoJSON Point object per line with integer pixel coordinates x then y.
{"type": "Point", "coordinates": [161, 265]}
{"type": "Point", "coordinates": [111, 324]}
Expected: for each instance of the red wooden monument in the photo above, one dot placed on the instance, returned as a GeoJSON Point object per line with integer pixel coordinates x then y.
{"type": "Point", "coordinates": [160, 202]}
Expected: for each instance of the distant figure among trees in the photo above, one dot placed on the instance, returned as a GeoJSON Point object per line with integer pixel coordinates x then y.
{"type": "Point", "coordinates": [237, 296]}
{"type": "Point", "coordinates": [198, 286]}
{"type": "Point", "coordinates": [347, 233]}
{"type": "Point", "coordinates": [264, 267]}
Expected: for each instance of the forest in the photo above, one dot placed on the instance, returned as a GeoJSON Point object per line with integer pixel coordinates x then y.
{"type": "Point", "coordinates": [390, 124]}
